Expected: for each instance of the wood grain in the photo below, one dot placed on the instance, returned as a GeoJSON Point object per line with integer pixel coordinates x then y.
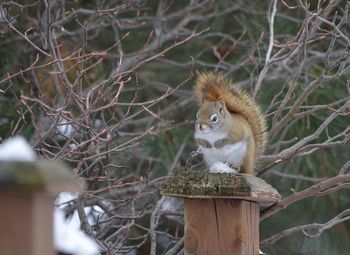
{"type": "Point", "coordinates": [221, 226]}
{"type": "Point", "coordinates": [26, 223]}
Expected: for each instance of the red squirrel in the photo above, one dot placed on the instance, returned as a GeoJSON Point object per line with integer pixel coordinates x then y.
{"type": "Point", "coordinates": [230, 129]}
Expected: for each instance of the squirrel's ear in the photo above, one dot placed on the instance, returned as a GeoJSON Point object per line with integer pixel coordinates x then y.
{"type": "Point", "coordinates": [220, 105]}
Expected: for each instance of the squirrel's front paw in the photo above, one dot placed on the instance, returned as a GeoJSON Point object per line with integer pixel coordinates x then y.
{"type": "Point", "coordinates": [220, 167]}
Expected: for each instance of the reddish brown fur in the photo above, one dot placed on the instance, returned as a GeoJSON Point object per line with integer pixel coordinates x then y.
{"type": "Point", "coordinates": [215, 87]}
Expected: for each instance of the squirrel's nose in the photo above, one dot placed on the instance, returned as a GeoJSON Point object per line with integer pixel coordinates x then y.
{"type": "Point", "coordinates": [203, 127]}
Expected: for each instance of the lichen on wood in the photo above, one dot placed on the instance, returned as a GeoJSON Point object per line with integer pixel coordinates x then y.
{"type": "Point", "coordinates": [206, 185]}
{"type": "Point", "coordinates": [50, 175]}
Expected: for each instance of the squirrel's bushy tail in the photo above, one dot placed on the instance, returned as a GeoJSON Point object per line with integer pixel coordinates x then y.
{"type": "Point", "coordinates": [215, 87]}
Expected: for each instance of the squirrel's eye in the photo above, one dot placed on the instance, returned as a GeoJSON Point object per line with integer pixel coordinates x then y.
{"type": "Point", "coordinates": [214, 118]}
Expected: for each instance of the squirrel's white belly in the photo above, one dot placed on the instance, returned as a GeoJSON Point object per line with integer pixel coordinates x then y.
{"type": "Point", "coordinates": [232, 153]}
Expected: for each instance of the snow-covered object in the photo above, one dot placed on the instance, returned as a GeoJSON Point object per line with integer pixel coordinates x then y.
{"type": "Point", "coordinates": [5, 17]}
{"type": "Point", "coordinates": [2, 15]}
{"type": "Point", "coordinates": [68, 237]}
{"type": "Point", "coordinates": [16, 149]}
{"type": "Point", "coordinates": [91, 212]}
{"type": "Point", "coordinates": [64, 128]}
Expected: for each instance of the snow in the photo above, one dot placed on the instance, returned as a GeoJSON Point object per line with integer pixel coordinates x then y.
{"type": "Point", "coordinates": [220, 167]}
{"type": "Point", "coordinates": [68, 237]}
{"type": "Point", "coordinates": [2, 15]}
{"type": "Point", "coordinates": [169, 204]}
{"type": "Point", "coordinates": [92, 212]}
{"type": "Point", "coordinates": [64, 128]}
{"type": "Point", "coordinates": [16, 149]}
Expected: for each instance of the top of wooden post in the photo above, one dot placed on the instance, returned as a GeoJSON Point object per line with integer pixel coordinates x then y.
{"type": "Point", "coordinates": [205, 185]}
{"type": "Point", "coordinates": [51, 176]}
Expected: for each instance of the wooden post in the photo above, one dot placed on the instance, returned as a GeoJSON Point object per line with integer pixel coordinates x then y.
{"type": "Point", "coordinates": [222, 211]}
{"type": "Point", "coordinates": [27, 194]}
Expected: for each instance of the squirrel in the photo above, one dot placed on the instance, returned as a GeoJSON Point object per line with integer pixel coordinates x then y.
{"type": "Point", "coordinates": [230, 129]}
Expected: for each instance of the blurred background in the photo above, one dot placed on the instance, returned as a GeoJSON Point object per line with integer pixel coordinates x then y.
{"type": "Point", "coordinates": [106, 86]}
